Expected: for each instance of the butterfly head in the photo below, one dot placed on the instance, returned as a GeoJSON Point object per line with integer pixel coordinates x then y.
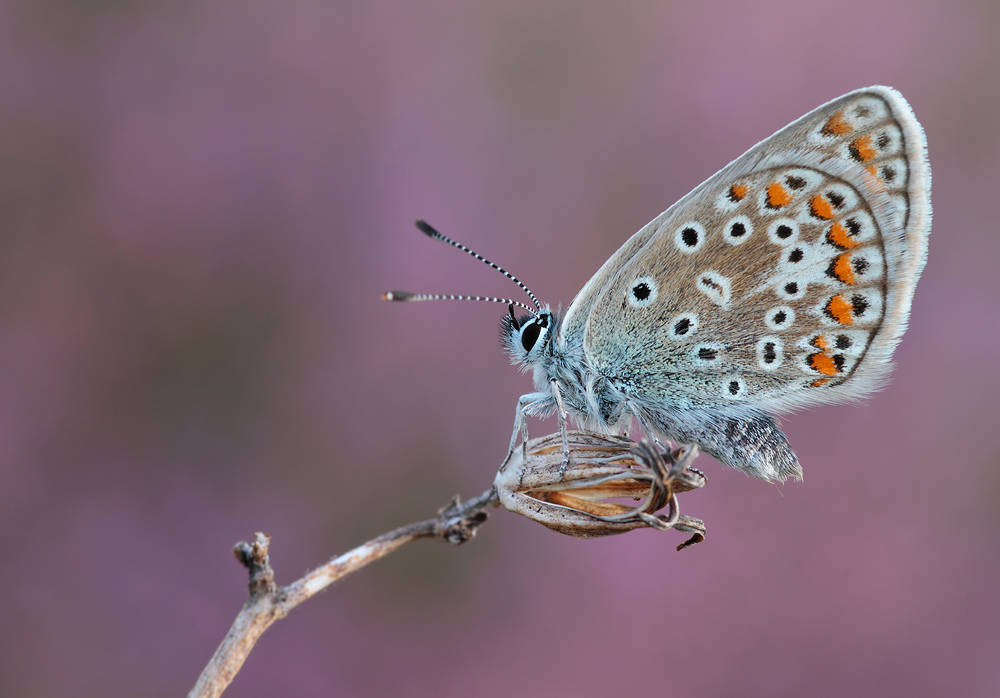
{"type": "Point", "coordinates": [527, 338]}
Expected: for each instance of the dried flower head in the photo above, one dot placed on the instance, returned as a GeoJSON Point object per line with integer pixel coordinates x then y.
{"type": "Point", "coordinates": [590, 496]}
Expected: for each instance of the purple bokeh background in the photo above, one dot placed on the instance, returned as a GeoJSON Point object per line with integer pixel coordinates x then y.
{"type": "Point", "coordinates": [200, 205]}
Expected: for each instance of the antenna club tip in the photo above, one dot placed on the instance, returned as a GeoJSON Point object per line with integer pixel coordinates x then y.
{"type": "Point", "coordinates": [397, 296]}
{"type": "Point", "coordinates": [424, 228]}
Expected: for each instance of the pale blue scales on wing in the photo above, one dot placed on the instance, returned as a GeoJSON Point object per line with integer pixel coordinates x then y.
{"type": "Point", "coordinates": [782, 281]}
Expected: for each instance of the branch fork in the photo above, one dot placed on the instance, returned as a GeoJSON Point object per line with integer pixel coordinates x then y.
{"type": "Point", "coordinates": [583, 498]}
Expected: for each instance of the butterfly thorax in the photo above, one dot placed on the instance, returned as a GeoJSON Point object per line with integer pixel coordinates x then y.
{"type": "Point", "coordinates": [536, 344]}
{"type": "Point", "coordinates": [783, 281]}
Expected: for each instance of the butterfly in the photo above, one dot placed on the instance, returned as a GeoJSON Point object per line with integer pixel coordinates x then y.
{"type": "Point", "coordinates": [784, 280]}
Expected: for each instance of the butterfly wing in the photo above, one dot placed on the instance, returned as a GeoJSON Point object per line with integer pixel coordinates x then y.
{"type": "Point", "coordinates": [782, 281]}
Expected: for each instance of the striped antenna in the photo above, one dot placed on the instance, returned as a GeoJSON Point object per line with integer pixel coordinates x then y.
{"type": "Point", "coordinates": [407, 296]}
{"type": "Point", "coordinates": [432, 233]}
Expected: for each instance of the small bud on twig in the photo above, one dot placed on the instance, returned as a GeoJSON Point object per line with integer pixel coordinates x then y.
{"type": "Point", "coordinates": [584, 498]}
{"type": "Point", "coordinates": [578, 499]}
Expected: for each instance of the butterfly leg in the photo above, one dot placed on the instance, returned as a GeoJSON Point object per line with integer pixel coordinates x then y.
{"type": "Point", "coordinates": [643, 424]}
{"type": "Point", "coordinates": [532, 403]}
{"type": "Point", "coordinates": [562, 427]}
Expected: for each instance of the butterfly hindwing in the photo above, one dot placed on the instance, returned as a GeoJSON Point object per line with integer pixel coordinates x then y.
{"type": "Point", "coordinates": [783, 280]}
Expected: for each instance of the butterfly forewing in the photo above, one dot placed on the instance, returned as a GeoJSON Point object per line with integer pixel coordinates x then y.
{"type": "Point", "coordinates": [782, 278]}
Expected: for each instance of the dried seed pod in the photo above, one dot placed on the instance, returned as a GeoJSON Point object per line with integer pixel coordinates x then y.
{"type": "Point", "coordinates": [590, 496]}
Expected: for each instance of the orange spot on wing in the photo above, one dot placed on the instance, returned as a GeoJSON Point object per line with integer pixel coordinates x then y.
{"type": "Point", "coordinates": [839, 236]}
{"type": "Point", "coordinates": [842, 269]}
{"type": "Point", "coordinates": [738, 191]}
{"type": "Point", "coordinates": [824, 364]}
{"type": "Point", "coordinates": [836, 126]}
{"type": "Point", "coordinates": [818, 382]}
{"type": "Point", "coordinates": [821, 207]}
{"type": "Point", "coordinates": [819, 341]}
{"type": "Point", "coordinates": [840, 309]}
{"type": "Point", "coordinates": [861, 149]}
{"type": "Point", "coordinates": [777, 195]}
{"type": "Point", "coordinates": [879, 181]}
{"type": "Point", "coordinates": [873, 171]}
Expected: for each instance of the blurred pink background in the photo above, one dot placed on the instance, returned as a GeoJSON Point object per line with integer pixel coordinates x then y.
{"type": "Point", "coordinates": [200, 205]}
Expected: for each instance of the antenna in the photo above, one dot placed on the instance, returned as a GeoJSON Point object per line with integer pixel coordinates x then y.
{"type": "Point", "coordinates": [407, 296]}
{"type": "Point", "coordinates": [432, 233]}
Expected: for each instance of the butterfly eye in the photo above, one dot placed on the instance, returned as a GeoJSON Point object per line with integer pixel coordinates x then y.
{"type": "Point", "coordinates": [529, 334]}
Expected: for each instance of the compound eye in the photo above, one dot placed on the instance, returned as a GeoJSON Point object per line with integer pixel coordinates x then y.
{"type": "Point", "coordinates": [529, 334]}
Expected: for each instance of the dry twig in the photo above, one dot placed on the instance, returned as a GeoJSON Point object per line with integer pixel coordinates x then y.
{"type": "Point", "coordinates": [581, 498]}
{"type": "Point", "coordinates": [455, 523]}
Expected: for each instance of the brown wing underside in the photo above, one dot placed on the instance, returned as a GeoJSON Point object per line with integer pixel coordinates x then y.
{"type": "Point", "coordinates": [781, 279]}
